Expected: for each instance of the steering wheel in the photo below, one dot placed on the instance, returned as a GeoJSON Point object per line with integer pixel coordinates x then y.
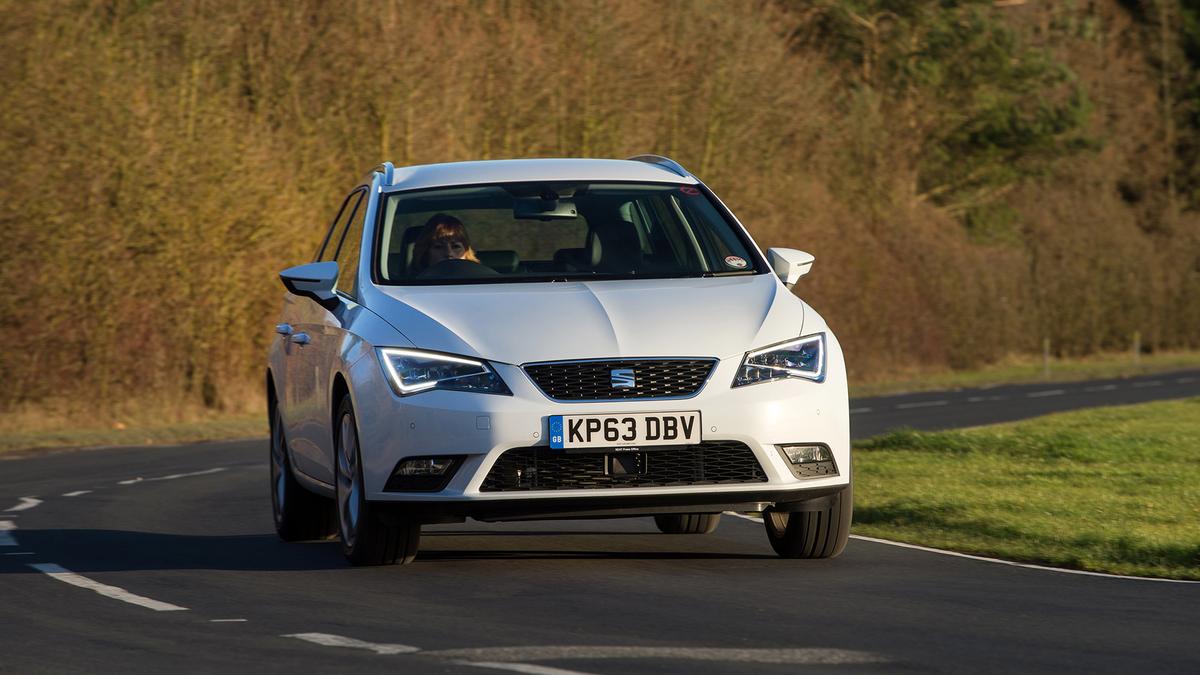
{"type": "Point", "coordinates": [458, 268]}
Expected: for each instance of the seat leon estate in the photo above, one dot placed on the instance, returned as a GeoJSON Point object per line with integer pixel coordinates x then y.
{"type": "Point", "coordinates": [551, 338]}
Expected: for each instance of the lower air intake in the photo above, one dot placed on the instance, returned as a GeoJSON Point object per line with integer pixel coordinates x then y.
{"type": "Point", "coordinates": [708, 463]}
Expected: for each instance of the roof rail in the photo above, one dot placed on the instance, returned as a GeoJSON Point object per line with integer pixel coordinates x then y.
{"type": "Point", "coordinates": [665, 162]}
{"type": "Point", "coordinates": [387, 170]}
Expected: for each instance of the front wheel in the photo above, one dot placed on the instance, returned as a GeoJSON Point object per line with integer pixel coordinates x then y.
{"type": "Point", "coordinates": [687, 523]}
{"type": "Point", "coordinates": [369, 536]}
{"type": "Point", "coordinates": [812, 534]}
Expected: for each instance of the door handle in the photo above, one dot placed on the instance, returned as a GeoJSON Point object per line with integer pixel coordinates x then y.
{"type": "Point", "coordinates": [284, 329]}
{"type": "Point", "coordinates": [300, 338]}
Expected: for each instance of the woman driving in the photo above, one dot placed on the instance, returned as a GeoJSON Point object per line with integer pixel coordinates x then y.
{"type": "Point", "coordinates": [443, 237]}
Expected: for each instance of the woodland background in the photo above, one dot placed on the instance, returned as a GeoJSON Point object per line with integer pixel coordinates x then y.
{"type": "Point", "coordinates": [973, 176]}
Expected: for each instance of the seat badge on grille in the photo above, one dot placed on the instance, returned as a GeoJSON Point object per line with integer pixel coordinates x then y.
{"type": "Point", "coordinates": [622, 378]}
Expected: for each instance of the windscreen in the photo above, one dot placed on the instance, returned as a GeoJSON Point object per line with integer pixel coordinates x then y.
{"type": "Point", "coordinates": [556, 232]}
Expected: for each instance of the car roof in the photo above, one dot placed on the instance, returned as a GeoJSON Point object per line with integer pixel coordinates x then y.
{"type": "Point", "coordinates": [527, 170]}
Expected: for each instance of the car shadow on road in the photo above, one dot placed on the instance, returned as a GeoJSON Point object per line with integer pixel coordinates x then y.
{"type": "Point", "coordinates": [88, 550]}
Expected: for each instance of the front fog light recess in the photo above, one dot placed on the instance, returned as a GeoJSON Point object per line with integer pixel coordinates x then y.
{"type": "Point", "coordinates": [808, 460]}
{"type": "Point", "coordinates": [422, 474]}
{"type": "Point", "coordinates": [804, 454]}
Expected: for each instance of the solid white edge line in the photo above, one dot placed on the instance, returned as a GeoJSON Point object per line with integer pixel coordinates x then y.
{"type": "Point", "coordinates": [529, 668]}
{"type": "Point", "coordinates": [115, 592]}
{"type": "Point", "coordinates": [25, 504]}
{"type": "Point", "coordinates": [6, 536]}
{"type": "Point", "coordinates": [329, 640]}
{"type": "Point", "coordinates": [76, 493]}
{"type": "Point", "coordinates": [227, 621]}
{"type": "Point", "coordinates": [998, 561]}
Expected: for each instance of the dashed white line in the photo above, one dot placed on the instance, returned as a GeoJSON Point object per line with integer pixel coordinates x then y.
{"type": "Point", "coordinates": [1042, 394]}
{"type": "Point", "coordinates": [976, 399]}
{"type": "Point", "coordinates": [856, 411]}
{"type": "Point", "coordinates": [22, 553]}
{"type": "Point", "coordinates": [328, 640]}
{"type": "Point", "coordinates": [227, 621]}
{"type": "Point", "coordinates": [529, 668]}
{"type": "Point", "coordinates": [1101, 387]}
{"type": "Point", "coordinates": [25, 504]}
{"type": "Point", "coordinates": [6, 530]}
{"type": "Point", "coordinates": [1151, 383]}
{"type": "Point", "coordinates": [173, 476]}
{"type": "Point", "coordinates": [1184, 380]}
{"type": "Point", "coordinates": [76, 493]}
{"type": "Point", "coordinates": [115, 592]}
{"type": "Point", "coordinates": [921, 404]}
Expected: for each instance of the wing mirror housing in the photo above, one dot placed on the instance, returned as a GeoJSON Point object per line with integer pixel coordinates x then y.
{"type": "Point", "coordinates": [314, 280]}
{"type": "Point", "coordinates": [789, 264]}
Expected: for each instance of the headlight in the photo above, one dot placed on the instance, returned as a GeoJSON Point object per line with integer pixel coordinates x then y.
{"type": "Point", "coordinates": [803, 358]}
{"type": "Point", "coordinates": [411, 372]}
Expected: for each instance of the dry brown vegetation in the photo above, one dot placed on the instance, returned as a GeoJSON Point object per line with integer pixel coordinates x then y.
{"type": "Point", "coordinates": [163, 160]}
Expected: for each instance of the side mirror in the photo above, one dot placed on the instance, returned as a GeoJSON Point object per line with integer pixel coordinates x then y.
{"type": "Point", "coordinates": [789, 264]}
{"type": "Point", "coordinates": [314, 280]}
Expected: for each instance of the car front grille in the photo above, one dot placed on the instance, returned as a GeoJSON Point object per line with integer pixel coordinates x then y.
{"type": "Point", "coordinates": [594, 380]}
{"type": "Point", "coordinates": [707, 463]}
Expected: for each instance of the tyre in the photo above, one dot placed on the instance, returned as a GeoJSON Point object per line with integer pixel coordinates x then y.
{"type": "Point", "coordinates": [687, 523]}
{"type": "Point", "coordinates": [369, 535]}
{"type": "Point", "coordinates": [812, 534]}
{"type": "Point", "coordinates": [299, 514]}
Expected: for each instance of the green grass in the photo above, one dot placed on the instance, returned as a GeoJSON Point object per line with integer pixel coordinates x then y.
{"type": "Point", "coordinates": [19, 443]}
{"type": "Point", "coordinates": [1107, 489]}
{"type": "Point", "coordinates": [1025, 369]}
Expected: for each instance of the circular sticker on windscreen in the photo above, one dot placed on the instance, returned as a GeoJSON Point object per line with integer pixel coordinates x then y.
{"type": "Point", "coordinates": [735, 262]}
{"type": "Point", "coordinates": [689, 190]}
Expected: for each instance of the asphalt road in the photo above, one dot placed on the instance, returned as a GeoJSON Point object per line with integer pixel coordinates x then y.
{"type": "Point", "coordinates": [154, 559]}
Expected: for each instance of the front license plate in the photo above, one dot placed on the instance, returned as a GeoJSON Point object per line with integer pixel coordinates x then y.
{"type": "Point", "coordinates": [624, 431]}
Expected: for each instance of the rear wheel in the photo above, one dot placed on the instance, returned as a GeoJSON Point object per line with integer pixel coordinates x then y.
{"type": "Point", "coordinates": [687, 523]}
{"type": "Point", "coordinates": [299, 514]}
{"type": "Point", "coordinates": [369, 535]}
{"type": "Point", "coordinates": [812, 534]}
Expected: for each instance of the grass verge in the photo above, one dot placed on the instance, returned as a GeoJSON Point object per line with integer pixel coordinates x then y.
{"type": "Point", "coordinates": [1028, 369]}
{"type": "Point", "coordinates": [23, 443]}
{"type": "Point", "coordinates": [1107, 489]}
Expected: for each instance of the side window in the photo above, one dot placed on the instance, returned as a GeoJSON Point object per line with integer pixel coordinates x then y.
{"type": "Point", "coordinates": [348, 251]}
{"type": "Point", "coordinates": [329, 246]}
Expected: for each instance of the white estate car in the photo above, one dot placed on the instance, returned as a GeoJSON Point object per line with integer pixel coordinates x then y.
{"type": "Point", "coordinates": [551, 338]}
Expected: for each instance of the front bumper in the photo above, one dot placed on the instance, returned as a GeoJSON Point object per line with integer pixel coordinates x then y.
{"type": "Point", "coordinates": [481, 427]}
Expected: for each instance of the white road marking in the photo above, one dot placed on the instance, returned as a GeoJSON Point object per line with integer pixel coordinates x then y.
{"type": "Point", "coordinates": [6, 530]}
{"type": "Point", "coordinates": [115, 592]}
{"type": "Point", "coordinates": [1101, 387]}
{"type": "Point", "coordinates": [922, 404]}
{"type": "Point", "coordinates": [1151, 383]}
{"type": "Point", "coordinates": [956, 554]}
{"type": "Point", "coordinates": [1041, 394]}
{"type": "Point", "coordinates": [226, 620]}
{"type": "Point", "coordinates": [529, 668]}
{"type": "Point", "coordinates": [1010, 563]}
{"type": "Point", "coordinates": [21, 553]}
{"type": "Point", "coordinates": [327, 640]}
{"type": "Point", "coordinates": [855, 411]}
{"type": "Point", "coordinates": [799, 655]}
{"type": "Point", "coordinates": [976, 399]}
{"type": "Point", "coordinates": [1184, 380]}
{"type": "Point", "coordinates": [25, 504]}
{"type": "Point", "coordinates": [173, 476]}
{"type": "Point", "coordinates": [76, 493]}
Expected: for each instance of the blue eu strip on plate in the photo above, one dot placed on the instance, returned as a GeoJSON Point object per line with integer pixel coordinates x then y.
{"type": "Point", "coordinates": [556, 432]}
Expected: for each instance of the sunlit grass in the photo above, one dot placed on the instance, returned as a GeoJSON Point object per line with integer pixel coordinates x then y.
{"type": "Point", "coordinates": [1108, 489]}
